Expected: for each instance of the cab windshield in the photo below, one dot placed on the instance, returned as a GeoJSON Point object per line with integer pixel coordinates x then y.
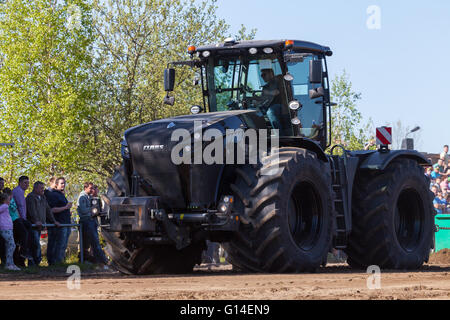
{"type": "Point", "coordinates": [236, 80]}
{"type": "Point", "coordinates": [263, 84]}
{"type": "Point", "coordinates": [254, 84]}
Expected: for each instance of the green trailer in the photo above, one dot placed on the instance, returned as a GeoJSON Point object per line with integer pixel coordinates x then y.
{"type": "Point", "coordinates": [442, 236]}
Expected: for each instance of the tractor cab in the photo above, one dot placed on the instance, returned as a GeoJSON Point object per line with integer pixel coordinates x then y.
{"type": "Point", "coordinates": [285, 82]}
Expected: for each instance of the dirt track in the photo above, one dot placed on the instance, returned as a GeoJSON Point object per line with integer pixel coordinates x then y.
{"type": "Point", "coordinates": [332, 282]}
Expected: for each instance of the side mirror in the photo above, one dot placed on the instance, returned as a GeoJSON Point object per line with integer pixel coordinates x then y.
{"type": "Point", "coordinates": [316, 93]}
{"type": "Point", "coordinates": [169, 80]}
{"type": "Point", "coordinates": [315, 71]}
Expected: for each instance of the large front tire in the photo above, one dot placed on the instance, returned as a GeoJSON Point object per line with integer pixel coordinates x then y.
{"type": "Point", "coordinates": [130, 258]}
{"type": "Point", "coordinates": [393, 218]}
{"type": "Point", "coordinates": [286, 217]}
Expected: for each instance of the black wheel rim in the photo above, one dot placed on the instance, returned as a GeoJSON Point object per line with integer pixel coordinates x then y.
{"type": "Point", "coordinates": [305, 216]}
{"type": "Point", "coordinates": [409, 219]}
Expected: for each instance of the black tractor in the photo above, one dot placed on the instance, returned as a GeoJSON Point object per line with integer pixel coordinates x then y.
{"type": "Point", "coordinates": [248, 169]}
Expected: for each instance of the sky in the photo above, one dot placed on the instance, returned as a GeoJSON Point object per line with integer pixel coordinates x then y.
{"type": "Point", "coordinates": [396, 54]}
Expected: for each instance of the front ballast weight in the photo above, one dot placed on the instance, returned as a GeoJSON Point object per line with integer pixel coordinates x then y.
{"type": "Point", "coordinates": [142, 214]}
{"type": "Point", "coordinates": [133, 214]}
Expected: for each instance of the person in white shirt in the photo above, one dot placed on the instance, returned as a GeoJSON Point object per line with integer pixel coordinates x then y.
{"type": "Point", "coordinates": [444, 155]}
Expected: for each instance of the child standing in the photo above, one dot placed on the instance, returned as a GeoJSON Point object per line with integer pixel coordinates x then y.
{"type": "Point", "coordinates": [22, 230]}
{"type": "Point", "coordinates": [6, 231]}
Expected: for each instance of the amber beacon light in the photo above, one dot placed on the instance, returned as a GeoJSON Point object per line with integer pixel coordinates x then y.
{"type": "Point", "coordinates": [192, 49]}
{"type": "Point", "coordinates": [289, 44]}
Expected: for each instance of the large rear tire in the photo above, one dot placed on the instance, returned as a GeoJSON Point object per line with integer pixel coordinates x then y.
{"type": "Point", "coordinates": [286, 217]}
{"type": "Point", "coordinates": [130, 258]}
{"type": "Point", "coordinates": [393, 218]}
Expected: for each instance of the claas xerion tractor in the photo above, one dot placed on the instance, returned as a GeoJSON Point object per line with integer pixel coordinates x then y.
{"type": "Point", "coordinates": [280, 213]}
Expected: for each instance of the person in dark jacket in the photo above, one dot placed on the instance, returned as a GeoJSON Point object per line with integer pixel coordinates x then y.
{"type": "Point", "coordinates": [89, 224]}
{"type": "Point", "coordinates": [58, 237]}
{"type": "Point", "coordinates": [39, 213]}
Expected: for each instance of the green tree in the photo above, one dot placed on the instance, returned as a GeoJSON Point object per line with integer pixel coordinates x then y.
{"type": "Point", "coordinates": [68, 93]}
{"type": "Point", "coordinates": [44, 84]}
{"type": "Point", "coordinates": [136, 39]}
{"type": "Point", "coordinates": [347, 127]}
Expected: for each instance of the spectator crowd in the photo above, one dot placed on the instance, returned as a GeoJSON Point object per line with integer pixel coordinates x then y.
{"type": "Point", "coordinates": [23, 218]}
{"type": "Point", "coordinates": [440, 182]}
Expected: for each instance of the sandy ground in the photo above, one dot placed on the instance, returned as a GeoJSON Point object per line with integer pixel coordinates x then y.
{"type": "Point", "coordinates": [333, 282]}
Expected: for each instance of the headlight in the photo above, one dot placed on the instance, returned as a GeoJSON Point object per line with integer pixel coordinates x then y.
{"type": "Point", "coordinates": [294, 105]}
{"type": "Point", "coordinates": [226, 204]}
{"type": "Point", "coordinates": [288, 77]}
{"type": "Point", "coordinates": [296, 121]}
{"type": "Point", "coordinates": [196, 109]}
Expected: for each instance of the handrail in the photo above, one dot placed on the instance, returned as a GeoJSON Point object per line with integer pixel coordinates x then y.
{"type": "Point", "coordinates": [68, 225]}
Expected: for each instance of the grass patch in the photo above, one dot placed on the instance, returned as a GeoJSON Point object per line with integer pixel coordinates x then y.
{"type": "Point", "coordinates": [59, 268]}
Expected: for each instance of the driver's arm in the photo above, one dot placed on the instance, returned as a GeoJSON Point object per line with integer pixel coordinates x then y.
{"type": "Point", "coordinates": [266, 93]}
{"type": "Point", "coordinates": [273, 92]}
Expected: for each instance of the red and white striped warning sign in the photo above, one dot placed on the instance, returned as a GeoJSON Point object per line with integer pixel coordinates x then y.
{"type": "Point", "coordinates": [384, 135]}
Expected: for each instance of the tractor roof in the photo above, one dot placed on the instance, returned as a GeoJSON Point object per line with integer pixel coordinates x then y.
{"type": "Point", "coordinates": [274, 44]}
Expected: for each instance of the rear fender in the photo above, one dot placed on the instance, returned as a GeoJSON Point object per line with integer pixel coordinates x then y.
{"type": "Point", "coordinates": [380, 160]}
{"type": "Point", "coordinates": [374, 161]}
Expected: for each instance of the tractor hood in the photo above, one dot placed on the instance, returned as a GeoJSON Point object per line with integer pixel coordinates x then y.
{"type": "Point", "coordinates": [248, 117]}
{"type": "Point", "coordinates": [179, 186]}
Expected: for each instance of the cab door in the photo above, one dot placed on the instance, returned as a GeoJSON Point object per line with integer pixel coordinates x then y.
{"type": "Point", "coordinates": [307, 92]}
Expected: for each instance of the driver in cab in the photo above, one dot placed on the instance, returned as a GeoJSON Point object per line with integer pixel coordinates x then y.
{"type": "Point", "coordinates": [270, 99]}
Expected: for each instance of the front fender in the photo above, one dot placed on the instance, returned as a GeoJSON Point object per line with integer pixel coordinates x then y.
{"type": "Point", "coordinates": [299, 142]}
{"type": "Point", "coordinates": [380, 160]}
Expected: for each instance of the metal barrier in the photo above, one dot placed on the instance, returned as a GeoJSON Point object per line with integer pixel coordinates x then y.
{"type": "Point", "coordinates": [80, 234]}
{"type": "Point", "coordinates": [442, 235]}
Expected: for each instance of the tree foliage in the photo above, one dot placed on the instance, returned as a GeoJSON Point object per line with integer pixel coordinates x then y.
{"type": "Point", "coordinates": [347, 126]}
{"type": "Point", "coordinates": [136, 39]}
{"type": "Point", "coordinates": [67, 95]}
{"type": "Point", "coordinates": [44, 85]}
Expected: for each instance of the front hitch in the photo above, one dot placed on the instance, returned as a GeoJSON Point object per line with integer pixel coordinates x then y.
{"type": "Point", "coordinates": [179, 235]}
